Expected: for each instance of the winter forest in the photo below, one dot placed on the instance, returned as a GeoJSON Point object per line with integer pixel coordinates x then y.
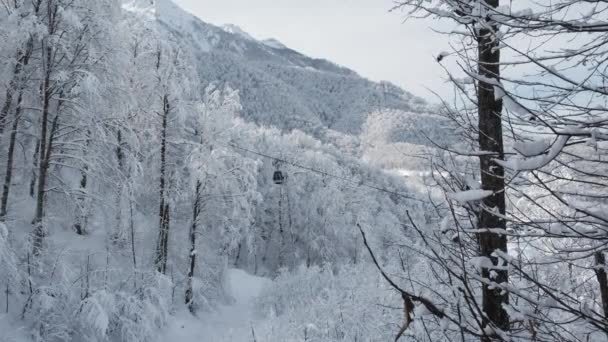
{"type": "Point", "coordinates": [166, 179]}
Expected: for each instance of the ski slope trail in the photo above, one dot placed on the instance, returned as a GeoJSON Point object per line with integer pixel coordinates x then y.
{"type": "Point", "coordinates": [229, 323]}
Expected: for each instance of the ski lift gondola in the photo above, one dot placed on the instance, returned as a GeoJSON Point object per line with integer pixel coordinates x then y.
{"type": "Point", "coordinates": [278, 177]}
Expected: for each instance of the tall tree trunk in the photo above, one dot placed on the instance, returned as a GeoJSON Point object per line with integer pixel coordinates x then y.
{"type": "Point", "coordinates": [22, 62]}
{"type": "Point", "coordinates": [120, 155]}
{"type": "Point", "coordinates": [35, 160]}
{"type": "Point", "coordinates": [118, 234]}
{"type": "Point", "coordinates": [8, 101]}
{"type": "Point", "coordinates": [132, 231]}
{"type": "Point", "coordinates": [39, 232]}
{"type": "Point", "coordinates": [44, 164]}
{"type": "Point", "coordinates": [163, 236]}
{"type": "Point", "coordinates": [281, 257]}
{"type": "Point", "coordinates": [193, 231]}
{"type": "Point", "coordinates": [80, 224]}
{"type": "Point", "coordinates": [600, 273]}
{"type": "Point", "coordinates": [8, 176]}
{"type": "Point", "coordinates": [15, 83]}
{"type": "Point", "coordinates": [492, 178]}
{"type": "Point", "coordinates": [162, 249]}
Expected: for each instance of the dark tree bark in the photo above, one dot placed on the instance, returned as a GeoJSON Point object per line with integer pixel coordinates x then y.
{"type": "Point", "coordinates": [162, 249]}
{"type": "Point", "coordinates": [600, 273]}
{"type": "Point", "coordinates": [16, 84]}
{"type": "Point", "coordinates": [120, 154]}
{"type": "Point", "coordinates": [39, 232]}
{"type": "Point", "coordinates": [80, 224]}
{"type": "Point", "coordinates": [35, 160]}
{"type": "Point", "coordinates": [281, 257]}
{"type": "Point", "coordinates": [7, 102]}
{"type": "Point", "coordinates": [8, 176]}
{"type": "Point", "coordinates": [43, 165]}
{"type": "Point", "coordinates": [119, 234]}
{"type": "Point", "coordinates": [132, 231]}
{"type": "Point", "coordinates": [163, 236]}
{"type": "Point", "coordinates": [492, 178]}
{"type": "Point", "coordinates": [193, 231]}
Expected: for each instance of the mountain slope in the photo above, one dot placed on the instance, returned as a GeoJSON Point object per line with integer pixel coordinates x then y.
{"type": "Point", "coordinates": [279, 86]}
{"type": "Point", "coordinates": [146, 186]}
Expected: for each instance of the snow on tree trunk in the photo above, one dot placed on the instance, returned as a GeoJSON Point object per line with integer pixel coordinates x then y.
{"type": "Point", "coordinates": [82, 213]}
{"type": "Point", "coordinates": [193, 231]}
{"type": "Point", "coordinates": [163, 235]}
{"type": "Point", "coordinates": [22, 60]}
{"type": "Point", "coordinates": [44, 153]}
{"type": "Point", "coordinates": [8, 176]}
{"type": "Point", "coordinates": [492, 178]}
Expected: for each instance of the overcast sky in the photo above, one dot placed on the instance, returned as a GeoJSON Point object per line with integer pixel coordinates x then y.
{"type": "Point", "coordinates": [359, 34]}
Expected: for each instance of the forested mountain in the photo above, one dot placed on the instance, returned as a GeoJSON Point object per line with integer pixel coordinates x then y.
{"type": "Point", "coordinates": [141, 148]}
{"type": "Point", "coordinates": [169, 180]}
{"type": "Point", "coordinates": [277, 85]}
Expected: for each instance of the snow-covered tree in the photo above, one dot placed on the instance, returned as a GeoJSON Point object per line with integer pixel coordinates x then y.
{"type": "Point", "coordinates": [546, 90]}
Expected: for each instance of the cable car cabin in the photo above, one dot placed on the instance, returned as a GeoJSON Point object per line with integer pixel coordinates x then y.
{"type": "Point", "coordinates": [278, 178]}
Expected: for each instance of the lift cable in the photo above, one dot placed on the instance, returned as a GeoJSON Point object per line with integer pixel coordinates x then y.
{"type": "Point", "coordinates": [323, 173]}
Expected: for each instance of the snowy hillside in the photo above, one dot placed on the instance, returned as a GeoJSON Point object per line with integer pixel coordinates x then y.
{"type": "Point", "coordinates": [165, 179]}
{"type": "Point", "coordinates": [279, 86]}
{"type": "Point", "coordinates": [152, 158]}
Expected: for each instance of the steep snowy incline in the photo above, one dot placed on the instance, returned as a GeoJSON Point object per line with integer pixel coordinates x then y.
{"type": "Point", "coordinates": [278, 85]}
{"type": "Point", "coordinates": [230, 323]}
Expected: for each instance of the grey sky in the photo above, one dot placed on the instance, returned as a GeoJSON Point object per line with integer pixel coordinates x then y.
{"type": "Point", "coordinates": [359, 34]}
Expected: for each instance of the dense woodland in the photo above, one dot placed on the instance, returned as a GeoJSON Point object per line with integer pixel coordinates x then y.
{"type": "Point", "coordinates": [146, 155]}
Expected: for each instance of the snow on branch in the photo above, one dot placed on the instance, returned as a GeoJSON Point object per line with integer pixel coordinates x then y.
{"type": "Point", "coordinates": [522, 163]}
{"type": "Point", "coordinates": [470, 195]}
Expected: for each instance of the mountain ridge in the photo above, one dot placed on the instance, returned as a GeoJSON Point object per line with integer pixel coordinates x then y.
{"type": "Point", "coordinates": [279, 86]}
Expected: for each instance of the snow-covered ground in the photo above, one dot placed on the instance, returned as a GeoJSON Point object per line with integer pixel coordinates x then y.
{"type": "Point", "coordinates": [234, 323]}
{"type": "Point", "coordinates": [12, 330]}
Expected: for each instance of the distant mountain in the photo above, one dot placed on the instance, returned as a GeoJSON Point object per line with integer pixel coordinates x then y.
{"type": "Point", "coordinates": [278, 86]}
